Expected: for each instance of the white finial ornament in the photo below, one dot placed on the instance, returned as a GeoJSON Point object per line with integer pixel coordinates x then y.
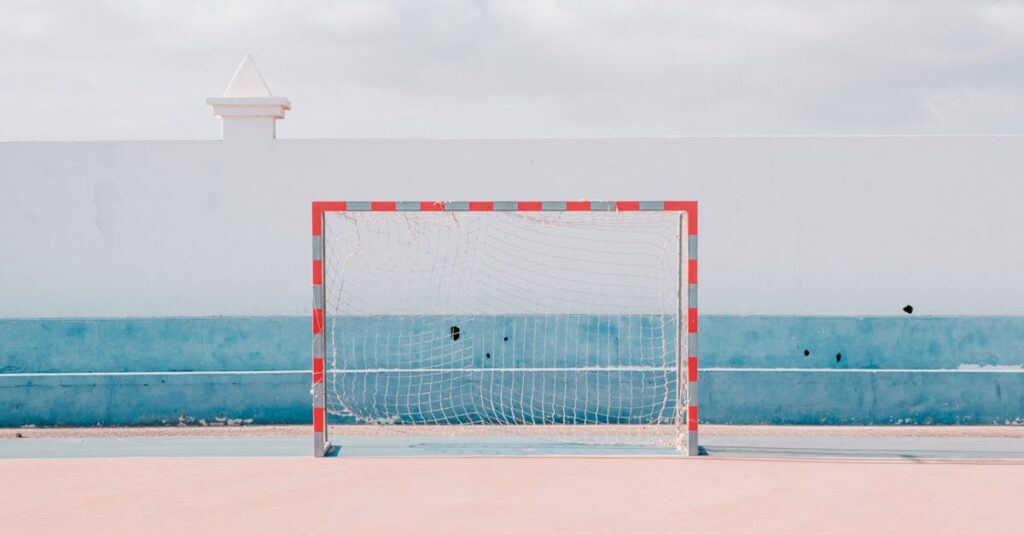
{"type": "Point", "coordinates": [248, 110]}
{"type": "Point", "coordinates": [247, 82]}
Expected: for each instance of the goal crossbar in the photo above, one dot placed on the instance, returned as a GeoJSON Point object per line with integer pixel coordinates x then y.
{"type": "Point", "coordinates": [685, 411]}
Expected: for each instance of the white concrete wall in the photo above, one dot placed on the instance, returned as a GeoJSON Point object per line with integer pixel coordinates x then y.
{"type": "Point", "coordinates": [841, 225]}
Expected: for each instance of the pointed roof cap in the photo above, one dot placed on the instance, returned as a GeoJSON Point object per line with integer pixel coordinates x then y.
{"type": "Point", "coordinates": [247, 82]}
{"type": "Point", "coordinates": [247, 109]}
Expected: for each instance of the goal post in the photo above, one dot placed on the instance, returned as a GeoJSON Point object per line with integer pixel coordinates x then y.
{"type": "Point", "coordinates": [575, 315]}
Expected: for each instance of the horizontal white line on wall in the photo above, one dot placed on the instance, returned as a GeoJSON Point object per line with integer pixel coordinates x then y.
{"type": "Point", "coordinates": [478, 370]}
{"type": "Point", "coordinates": [869, 370]}
{"type": "Point", "coordinates": [130, 374]}
{"type": "Point", "coordinates": [336, 371]}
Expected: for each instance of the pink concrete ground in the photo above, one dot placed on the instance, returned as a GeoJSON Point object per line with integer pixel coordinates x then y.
{"type": "Point", "coordinates": [508, 495]}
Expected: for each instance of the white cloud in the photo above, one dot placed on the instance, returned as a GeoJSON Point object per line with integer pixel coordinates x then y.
{"type": "Point", "coordinates": [92, 69]}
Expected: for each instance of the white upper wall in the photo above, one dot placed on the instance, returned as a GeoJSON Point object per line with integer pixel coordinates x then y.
{"type": "Point", "coordinates": [829, 225]}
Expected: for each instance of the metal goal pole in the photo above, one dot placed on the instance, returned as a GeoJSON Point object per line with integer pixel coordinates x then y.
{"type": "Point", "coordinates": [692, 397]}
{"type": "Point", "coordinates": [321, 444]}
{"type": "Point", "coordinates": [686, 325]}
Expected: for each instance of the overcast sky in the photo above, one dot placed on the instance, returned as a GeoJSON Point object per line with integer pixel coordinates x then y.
{"type": "Point", "coordinates": [91, 69]}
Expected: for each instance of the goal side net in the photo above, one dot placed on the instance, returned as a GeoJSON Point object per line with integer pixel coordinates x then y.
{"type": "Point", "coordinates": [544, 319]}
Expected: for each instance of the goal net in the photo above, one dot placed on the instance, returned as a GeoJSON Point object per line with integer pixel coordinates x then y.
{"type": "Point", "coordinates": [568, 325]}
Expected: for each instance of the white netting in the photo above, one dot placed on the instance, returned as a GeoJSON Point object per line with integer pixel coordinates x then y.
{"type": "Point", "coordinates": [505, 318]}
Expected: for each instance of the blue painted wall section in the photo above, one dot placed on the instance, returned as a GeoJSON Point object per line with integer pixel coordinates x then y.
{"type": "Point", "coordinates": [153, 344]}
{"type": "Point", "coordinates": [892, 370]}
{"type": "Point", "coordinates": [160, 399]}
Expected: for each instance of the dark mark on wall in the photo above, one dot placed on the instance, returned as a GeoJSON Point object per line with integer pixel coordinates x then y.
{"type": "Point", "coordinates": [839, 356]}
{"type": "Point", "coordinates": [807, 353]}
{"type": "Point", "coordinates": [908, 309]}
{"type": "Point", "coordinates": [455, 332]}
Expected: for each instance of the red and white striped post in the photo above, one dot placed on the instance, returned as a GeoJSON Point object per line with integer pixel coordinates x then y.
{"type": "Point", "coordinates": [688, 391]}
{"type": "Point", "coordinates": [321, 442]}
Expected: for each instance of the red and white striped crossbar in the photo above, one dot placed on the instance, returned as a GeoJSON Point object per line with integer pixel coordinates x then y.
{"type": "Point", "coordinates": [320, 440]}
